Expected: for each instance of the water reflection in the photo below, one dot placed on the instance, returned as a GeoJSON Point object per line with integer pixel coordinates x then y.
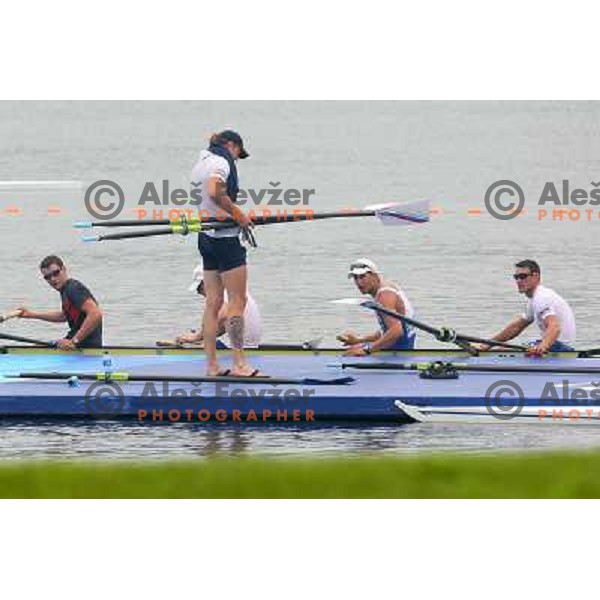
{"type": "Point", "coordinates": [133, 440]}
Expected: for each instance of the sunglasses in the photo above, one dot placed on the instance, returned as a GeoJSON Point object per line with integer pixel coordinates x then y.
{"type": "Point", "coordinates": [52, 274]}
{"type": "Point", "coordinates": [521, 276]}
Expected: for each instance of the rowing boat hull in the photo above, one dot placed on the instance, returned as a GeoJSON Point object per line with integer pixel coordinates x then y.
{"type": "Point", "coordinates": [374, 395]}
{"type": "Point", "coordinates": [480, 415]}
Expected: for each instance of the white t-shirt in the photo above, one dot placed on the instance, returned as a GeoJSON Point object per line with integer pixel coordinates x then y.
{"type": "Point", "coordinates": [252, 323]}
{"type": "Point", "coordinates": [211, 165]}
{"type": "Point", "coordinates": [547, 302]}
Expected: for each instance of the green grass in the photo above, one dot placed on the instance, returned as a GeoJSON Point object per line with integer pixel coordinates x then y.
{"type": "Point", "coordinates": [547, 475]}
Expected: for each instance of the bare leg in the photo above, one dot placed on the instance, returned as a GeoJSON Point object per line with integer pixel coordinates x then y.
{"type": "Point", "coordinates": [235, 282]}
{"type": "Point", "coordinates": [213, 287]}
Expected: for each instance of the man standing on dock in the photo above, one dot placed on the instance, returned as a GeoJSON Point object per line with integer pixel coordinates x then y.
{"type": "Point", "coordinates": [223, 256]}
{"type": "Point", "coordinates": [79, 308]}
{"type": "Point", "coordinates": [551, 313]}
{"type": "Point", "coordinates": [393, 334]}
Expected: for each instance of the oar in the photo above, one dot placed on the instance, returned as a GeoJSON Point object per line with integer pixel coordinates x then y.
{"type": "Point", "coordinates": [412, 213]}
{"type": "Point", "coordinates": [489, 368]}
{"type": "Point", "coordinates": [389, 214]}
{"type": "Point", "coordinates": [25, 340]}
{"type": "Point", "coordinates": [127, 377]}
{"type": "Point", "coordinates": [307, 345]}
{"type": "Point", "coordinates": [392, 212]}
{"type": "Point", "coordinates": [442, 334]}
{"type": "Point", "coordinates": [13, 314]}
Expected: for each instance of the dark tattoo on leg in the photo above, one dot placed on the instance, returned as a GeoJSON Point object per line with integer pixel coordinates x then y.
{"type": "Point", "coordinates": [235, 329]}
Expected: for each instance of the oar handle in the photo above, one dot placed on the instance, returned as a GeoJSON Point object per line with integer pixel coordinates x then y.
{"type": "Point", "coordinates": [183, 229]}
{"type": "Point", "coordinates": [120, 223]}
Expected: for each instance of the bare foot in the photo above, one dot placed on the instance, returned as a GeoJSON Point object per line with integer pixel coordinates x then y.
{"type": "Point", "coordinates": [247, 371]}
{"type": "Point", "coordinates": [216, 371]}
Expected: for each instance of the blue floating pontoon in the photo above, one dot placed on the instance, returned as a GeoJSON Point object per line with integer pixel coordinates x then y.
{"type": "Point", "coordinates": [397, 387]}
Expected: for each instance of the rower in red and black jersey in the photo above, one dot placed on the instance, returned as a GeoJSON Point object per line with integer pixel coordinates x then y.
{"type": "Point", "coordinates": [79, 308]}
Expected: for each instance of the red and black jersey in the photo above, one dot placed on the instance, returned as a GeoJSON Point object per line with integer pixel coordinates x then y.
{"type": "Point", "coordinates": [73, 295]}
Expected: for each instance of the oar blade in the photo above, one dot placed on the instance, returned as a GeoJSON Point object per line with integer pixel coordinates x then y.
{"type": "Point", "coordinates": [349, 301]}
{"type": "Point", "coordinates": [412, 213]}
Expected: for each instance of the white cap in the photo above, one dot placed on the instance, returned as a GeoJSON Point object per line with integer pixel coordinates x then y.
{"type": "Point", "coordinates": [197, 279]}
{"type": "Point", "coordinates": [361, 266]}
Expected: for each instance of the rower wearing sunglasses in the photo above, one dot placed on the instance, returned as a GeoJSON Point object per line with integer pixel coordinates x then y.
{"type": "Point", "coordinates": [550, 312]}
{"type": "Point", "coordinates": [393, 334]}
{"type": "Point", "coordinates": [79, 308]}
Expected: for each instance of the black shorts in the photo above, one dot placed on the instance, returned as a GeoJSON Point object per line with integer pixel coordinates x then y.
{"type": "Point", "coordinates": [221, 254]}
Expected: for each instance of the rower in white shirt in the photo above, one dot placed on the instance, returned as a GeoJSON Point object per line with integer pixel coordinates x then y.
{"type": "Point", "coordinates": [252, 320]}
{"type": "Point", "coordinates": [550, 312]}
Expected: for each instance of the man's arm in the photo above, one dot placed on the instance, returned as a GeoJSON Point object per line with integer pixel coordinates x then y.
{"type": "Point", "coordinates": [552, 325]}
{"type": "Point", "coordinates": [216, 187]}
{"type": "Point", "coordinates": [512, 330]}
{"type": "Point", "coordinates": [349, 339]}
{"type": "Point", "coordinates": [194, 337]}
{"type": "Point", "coordinates": [395, 328]}
{"type": "Point", "coordinates": [379, 341]}
{"type": "Point", "coordinates": [52, 316]}
{"type": "Point", "coordinates": [189, 337]}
